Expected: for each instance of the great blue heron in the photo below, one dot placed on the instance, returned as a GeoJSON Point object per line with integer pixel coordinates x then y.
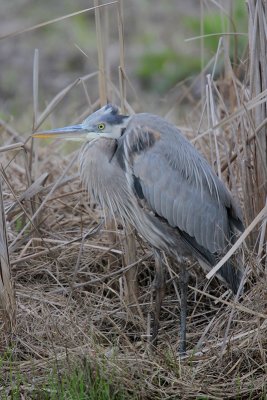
{"type": "Point", "coordinates": [142, 168]}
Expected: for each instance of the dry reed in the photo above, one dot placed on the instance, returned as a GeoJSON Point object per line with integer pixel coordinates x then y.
{"type": "Point", "coordinates": [68, 274]}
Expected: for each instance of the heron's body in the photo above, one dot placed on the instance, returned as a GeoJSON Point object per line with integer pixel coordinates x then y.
{"type": "Point", "coordinates": [144, 170]}
{"type": "Point", "coordinates": [121, 197]}
{"type": "Point", "coordinates": [153, 178]}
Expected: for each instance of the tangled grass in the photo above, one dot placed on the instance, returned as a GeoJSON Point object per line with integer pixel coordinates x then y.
{"type": "Point", "coordinates": [62, 272]}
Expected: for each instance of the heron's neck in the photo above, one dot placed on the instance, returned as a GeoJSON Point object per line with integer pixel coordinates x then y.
{"type": "Point", "coordinates": [125, 122]}
{"type": "Point", "coordinates": [118, 130]}
{"type": "Point", "coordinates": [98, 150]}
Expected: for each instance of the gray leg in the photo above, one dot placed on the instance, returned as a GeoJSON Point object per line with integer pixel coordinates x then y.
{"type": "Point", "coordinates": [159, 288]}
{"type": "Point", "coordinates": [183, 290]}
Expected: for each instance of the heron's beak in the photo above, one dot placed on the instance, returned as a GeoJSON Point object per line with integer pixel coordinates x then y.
{"type": "Point", "coordinates": [74, 132]}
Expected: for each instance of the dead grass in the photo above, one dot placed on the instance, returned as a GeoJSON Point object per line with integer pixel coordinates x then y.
{"type": "Point", "coordinates": [69, 275]}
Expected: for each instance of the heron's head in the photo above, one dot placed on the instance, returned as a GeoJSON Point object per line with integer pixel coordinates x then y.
{"type": "Point", "coordinates": [105, 122]}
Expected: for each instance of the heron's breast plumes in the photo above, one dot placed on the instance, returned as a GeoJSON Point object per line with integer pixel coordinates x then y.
{"type": "Point", "coordinates": [101, 177]}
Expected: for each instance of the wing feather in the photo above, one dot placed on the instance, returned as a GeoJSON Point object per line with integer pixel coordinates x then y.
{"type": "Point", "coordinates": [178, 184]}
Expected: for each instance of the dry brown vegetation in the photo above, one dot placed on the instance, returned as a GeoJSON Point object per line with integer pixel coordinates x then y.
{"type": "Point", "coordinates": [68, 271]}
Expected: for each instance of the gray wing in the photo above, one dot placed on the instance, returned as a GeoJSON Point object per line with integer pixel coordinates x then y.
{"type": "Point", "coordinates": [179, 185]}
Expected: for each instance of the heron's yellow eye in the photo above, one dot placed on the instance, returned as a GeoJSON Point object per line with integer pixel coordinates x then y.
{"type": "Point", "coordinates": [101, 126]}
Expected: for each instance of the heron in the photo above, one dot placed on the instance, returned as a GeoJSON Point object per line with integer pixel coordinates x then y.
{"type": "Point", "coordinates": [141, 168]}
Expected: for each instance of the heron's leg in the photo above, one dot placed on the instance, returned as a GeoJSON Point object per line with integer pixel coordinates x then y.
{"type": "Point", "coordinates": [159, 288]}
{"type": "Point", "coordinates": [183, 291]}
